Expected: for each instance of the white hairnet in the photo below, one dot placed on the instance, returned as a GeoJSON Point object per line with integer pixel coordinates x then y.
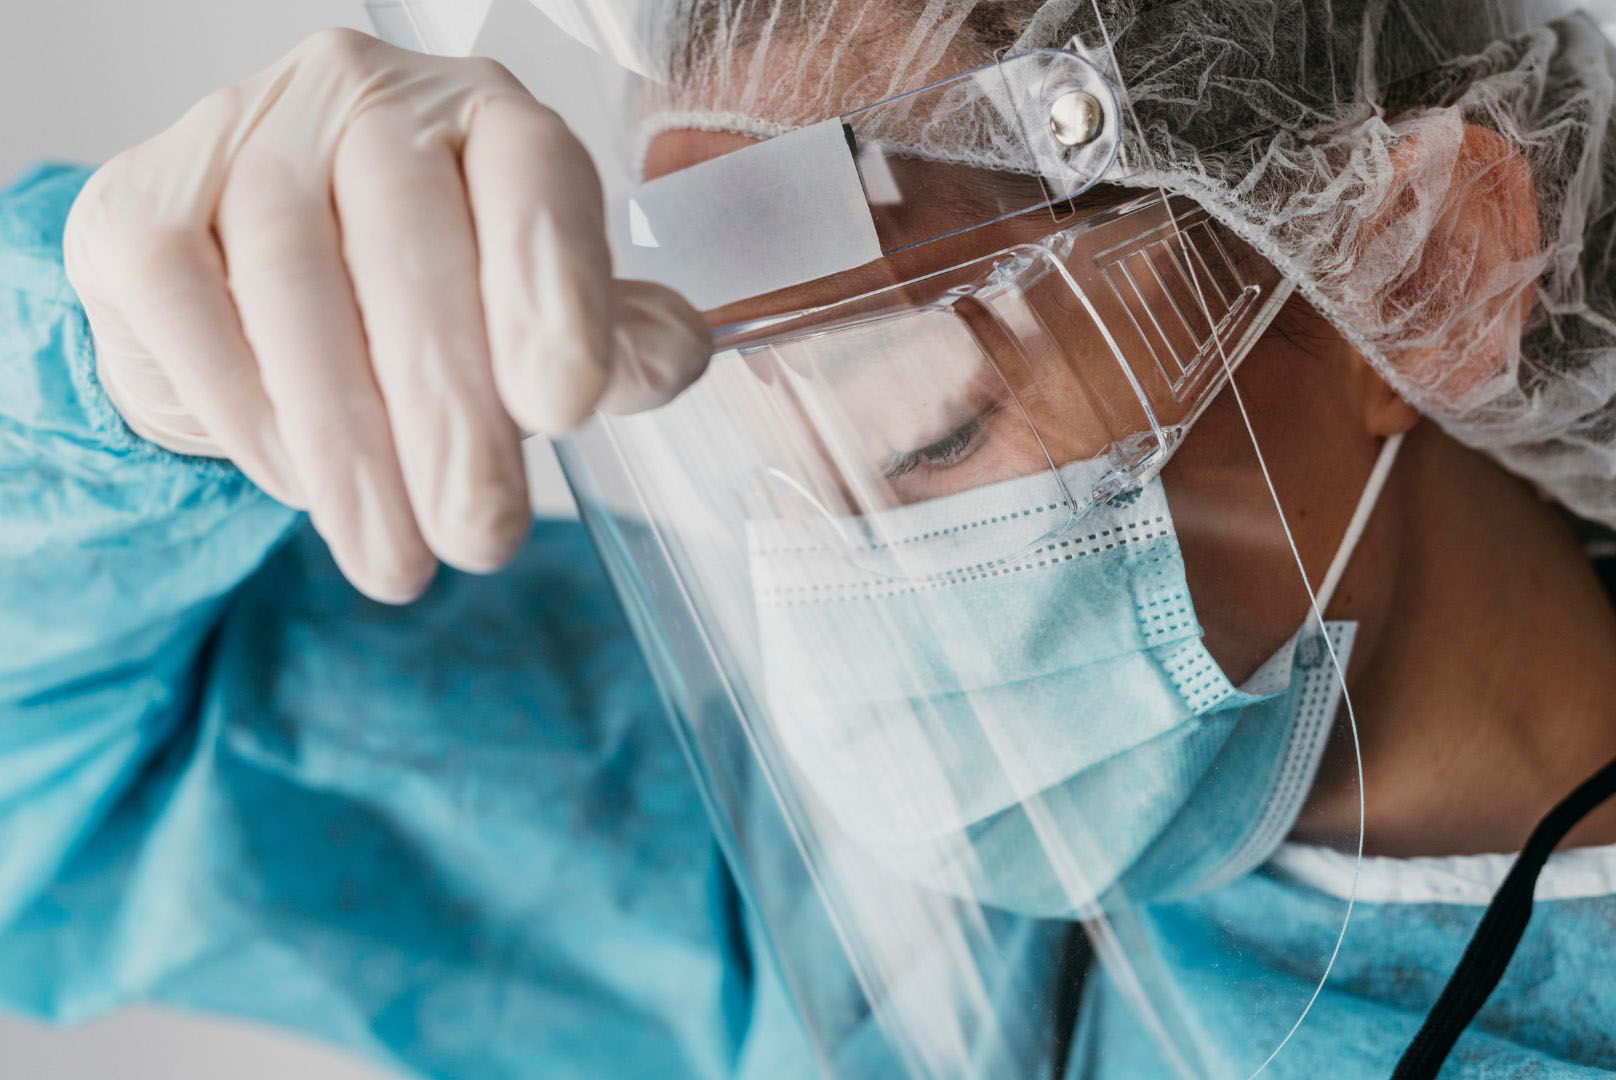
{"type": "Point", "coordinates": [1439, 178]}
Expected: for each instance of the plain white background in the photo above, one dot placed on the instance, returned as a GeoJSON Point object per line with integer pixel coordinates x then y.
{"type": "Point", "coordinates": [82, 79]}
{"type": "Point", "coordinates": [79, 81]}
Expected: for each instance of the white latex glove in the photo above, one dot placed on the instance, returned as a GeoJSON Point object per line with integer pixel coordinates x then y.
{"type": "Point", "coordinates": [359, 275]}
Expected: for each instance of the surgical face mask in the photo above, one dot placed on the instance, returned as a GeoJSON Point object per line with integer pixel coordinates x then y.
{"type": "Point", "coordinates": [1039, 733]}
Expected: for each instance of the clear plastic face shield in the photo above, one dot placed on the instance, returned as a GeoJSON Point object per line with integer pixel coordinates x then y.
{"type": "Point", "coordinates": [970, 578]}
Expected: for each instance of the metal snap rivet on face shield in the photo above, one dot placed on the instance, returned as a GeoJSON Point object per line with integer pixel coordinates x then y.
{"type": "Point", "coordinates": [1076, 118]}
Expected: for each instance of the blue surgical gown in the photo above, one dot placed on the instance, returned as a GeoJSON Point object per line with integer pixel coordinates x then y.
{"type": "Point", "coordinates": [458, 838]}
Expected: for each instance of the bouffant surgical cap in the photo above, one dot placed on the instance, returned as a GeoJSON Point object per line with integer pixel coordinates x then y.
{"type": "Point", "coordinates": [1438, 178]}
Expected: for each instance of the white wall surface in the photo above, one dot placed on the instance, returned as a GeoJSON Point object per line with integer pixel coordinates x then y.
{"type": "Point", "coordinates": [81, 80]}
{"type": "Point", "coordinates": [155, 1044]}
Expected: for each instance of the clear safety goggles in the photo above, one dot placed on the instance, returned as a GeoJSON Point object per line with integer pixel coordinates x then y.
{"type": "Point", "coordinates": [1103, 341]}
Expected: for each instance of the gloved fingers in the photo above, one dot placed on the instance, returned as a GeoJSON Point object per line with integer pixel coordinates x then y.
{"type": "Point", "coordinates": [298, 311]}
{"type": "Point", "coordinates": [660, 346]}
{"type": "Point", "coordinates": [412, 257]}
{"type": "Point", "coordinates": [546, 271]}
{"type": "Point", "coordinates": [169, 346]}
{"type": "Point", "coordinates": [175, 316]}
{"type": "Point", "coordinates": [139, 388]}
{"type": "Point", "coordinates": [145, 395]}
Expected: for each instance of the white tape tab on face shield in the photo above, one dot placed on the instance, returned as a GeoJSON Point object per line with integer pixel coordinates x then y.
{"type": "Point", "coordinates": [766, 217]}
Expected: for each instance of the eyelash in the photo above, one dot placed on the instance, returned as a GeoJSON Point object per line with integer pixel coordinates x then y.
{"type": "Point", "coordinates": [945, 452]}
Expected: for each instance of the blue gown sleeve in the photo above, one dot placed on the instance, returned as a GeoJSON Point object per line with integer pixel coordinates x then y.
{"type": "Point", "coordinates": [115, 560]}
{"type": "Point", "coordinates": [457, 838]}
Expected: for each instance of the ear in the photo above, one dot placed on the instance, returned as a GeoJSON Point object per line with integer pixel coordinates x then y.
{"type": "Point", "coordinates": [1458, 243]}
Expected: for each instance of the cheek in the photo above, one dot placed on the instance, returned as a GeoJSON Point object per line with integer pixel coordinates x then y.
{"type": "Point", "coordinates": [1244, 581]}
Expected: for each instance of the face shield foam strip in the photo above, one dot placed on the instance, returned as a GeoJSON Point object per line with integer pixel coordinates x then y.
{"type": "Point", "coordinates": [788, 210]}
{"type": "Point", "coordinates": [796, 207]}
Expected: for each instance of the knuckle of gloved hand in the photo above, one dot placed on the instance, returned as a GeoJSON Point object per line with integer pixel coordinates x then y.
{"type": "Point", "coordinates": [339, 48]}
{"type": "Point", "coordinates": [570, 163]}
{"type": "Point", "coordinates": [490, 76]}
{"type": "Point", "coordinates": [546, 127]}
{"type": "Point", "coordinates": [217, 112]}
{"type": "Point", "coordinates": [106, 214]}
{"type": "Point", "coordinates": [518, 125]}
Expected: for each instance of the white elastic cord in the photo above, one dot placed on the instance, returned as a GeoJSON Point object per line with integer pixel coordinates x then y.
{"type": "Point", "coordinates": [1359, 522]}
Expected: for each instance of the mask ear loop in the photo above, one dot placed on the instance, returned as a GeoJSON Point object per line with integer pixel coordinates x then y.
{"type": "Point", "coordinates": [1318, 599]}
{"type": "Point", "coordinates": [1357, 524]}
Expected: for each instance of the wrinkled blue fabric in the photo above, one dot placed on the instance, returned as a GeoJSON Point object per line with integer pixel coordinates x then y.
{"type": "Point", "coordinates": [1264, 938]}
{"type": "Point", "coordinates": [456, 838]}
{"type": "Point", "coordinates": [459, 838]}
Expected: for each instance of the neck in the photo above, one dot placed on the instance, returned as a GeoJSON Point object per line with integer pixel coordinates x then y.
{"type": "Point", "coordinates": [1489, 689]}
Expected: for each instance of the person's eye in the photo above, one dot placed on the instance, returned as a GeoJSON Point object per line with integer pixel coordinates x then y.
{"type": "Point", "coordinates": [943, 453]}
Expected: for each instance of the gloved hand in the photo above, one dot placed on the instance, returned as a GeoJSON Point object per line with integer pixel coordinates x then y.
{"type": "Point", "coordinates": [359, 275]}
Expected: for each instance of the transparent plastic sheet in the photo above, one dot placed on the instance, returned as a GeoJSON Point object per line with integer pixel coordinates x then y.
{"type": "Point", "coordinates": [958, 975]}
{"type": "Point", "coordinates": [922, 757]}
{"type": "Point", "coordinates": [896, 950]}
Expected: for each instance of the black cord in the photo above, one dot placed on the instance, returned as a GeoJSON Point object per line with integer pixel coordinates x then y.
{"type": "Point", "coordinates": [1495, 939]}
{"type": "Point", "coordinates": [1076, 962]}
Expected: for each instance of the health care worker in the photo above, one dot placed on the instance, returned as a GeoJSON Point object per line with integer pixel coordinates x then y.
{"type": "Point", "coordinates": [1148, 489]}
